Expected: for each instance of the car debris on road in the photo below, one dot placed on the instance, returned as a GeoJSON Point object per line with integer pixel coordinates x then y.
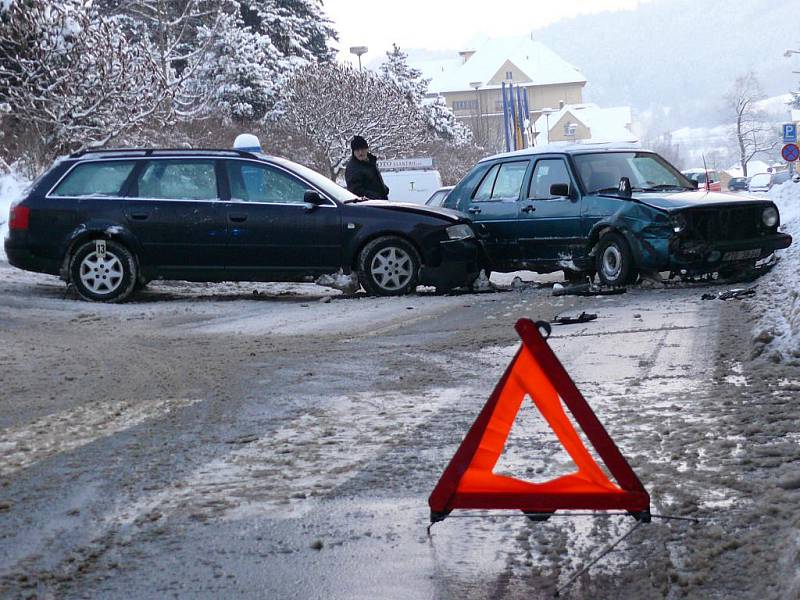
{"type": "Point", "coordinates": [587, 289]}
{"type": "Point", "coordinates": [584, 317]}
{"type": "Point", "coordinates": [734, 294]}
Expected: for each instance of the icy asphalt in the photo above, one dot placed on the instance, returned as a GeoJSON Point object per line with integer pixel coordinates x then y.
{"type": "Point", "coordinates": [208, 442]}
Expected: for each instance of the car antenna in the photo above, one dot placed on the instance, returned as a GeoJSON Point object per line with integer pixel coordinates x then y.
{"type": "Point", "coordinates": [708, 185]}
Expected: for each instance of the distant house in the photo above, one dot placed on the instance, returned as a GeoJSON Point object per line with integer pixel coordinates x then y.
{"type": "Point", "coordinates": [471, 83]}
{"type": "Point", "coordinates": [586, 122]}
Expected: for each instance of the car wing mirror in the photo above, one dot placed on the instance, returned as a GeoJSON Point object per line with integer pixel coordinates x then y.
{"type": "Point", "coordinates": [559, 190]}
{"type": "Point", "coordinates": [694, 183]}
{"type": "Point", "coordinates": [312, 199]}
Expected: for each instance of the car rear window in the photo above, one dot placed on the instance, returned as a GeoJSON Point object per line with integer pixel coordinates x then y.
{"type": "Point", "coordinates": [102, 178]}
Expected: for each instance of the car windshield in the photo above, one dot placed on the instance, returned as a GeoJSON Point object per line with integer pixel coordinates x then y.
{"type": "Point", "coordinates": [320, 181]}
{"type": "Point", "coordinates": [760, 179]}
{"type": "Point", "coordinates": [646, 171]}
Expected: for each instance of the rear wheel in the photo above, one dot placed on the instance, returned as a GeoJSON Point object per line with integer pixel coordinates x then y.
{"type": "Point", "coordinates": [103, 271]}
{"type": "Point", "coordinates": [614, 261]}
{"type": "Point", "coordinates": [388, 266]}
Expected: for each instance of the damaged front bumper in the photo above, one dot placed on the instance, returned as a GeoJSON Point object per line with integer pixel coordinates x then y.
{"type": "Point", "coordinates": [700, 256]}
{"type": "Point", "coordinates": [456, 264]}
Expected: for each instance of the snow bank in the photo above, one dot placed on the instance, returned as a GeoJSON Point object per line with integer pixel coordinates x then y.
{"type": "Point", "coordinates": [12, 186]}
{"type": "Point", "coordinates": [777, 334]}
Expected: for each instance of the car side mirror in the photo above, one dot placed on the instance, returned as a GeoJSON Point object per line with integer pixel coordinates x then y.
{"type": "Point", "coordinates": [559, 190]}
{"type": "Point", "coordinates": [694, 183]}
{"type": "Point", "coordinates": [313, 197]}
{"type": "Point", "coordinates": [312, 200]}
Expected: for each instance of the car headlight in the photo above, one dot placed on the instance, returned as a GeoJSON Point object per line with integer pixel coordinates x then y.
{"type": "Point", "coordinates": [678, 223]}
{"type": "Point", "coordinates": [769, 216]}
{"type": "Point", "coordinates": [459, 232]}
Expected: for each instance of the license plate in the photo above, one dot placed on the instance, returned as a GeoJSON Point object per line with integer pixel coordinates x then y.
{"type": "Point", "coordinates": [742, 254]}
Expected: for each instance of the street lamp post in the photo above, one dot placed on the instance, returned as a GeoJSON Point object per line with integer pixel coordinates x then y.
{"type": "Point", "coordinates": [478, 125]}
{"type": "Point", "coordinates": [547, 112]}
{"type": "Point", "coordinates": [358, 51]}
{"type": "Point", "coordinates": [789, 53]}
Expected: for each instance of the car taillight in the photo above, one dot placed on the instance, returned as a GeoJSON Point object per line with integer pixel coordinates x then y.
{"type": "Point", "coordinates": [19, 217]}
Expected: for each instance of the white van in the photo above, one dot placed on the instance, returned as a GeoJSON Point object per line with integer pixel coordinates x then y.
{"type": "Point", "coordinates": [412, 186]}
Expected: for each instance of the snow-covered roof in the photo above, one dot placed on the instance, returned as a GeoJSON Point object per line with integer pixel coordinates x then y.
{"type": "Point", "coordinates": [606, 124]}
{"type": "Point", "coordinates": [541, 65]}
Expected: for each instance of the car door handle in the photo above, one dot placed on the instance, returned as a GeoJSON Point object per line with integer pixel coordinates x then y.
{"type": "Point", "coordinates": [140, 216]}
{"type": "Point", "coordinates": [528, 209]}
{"type": "Point", "coordinates": [474, 210]}
{"type": "Point", "coordinates": [237, 218]}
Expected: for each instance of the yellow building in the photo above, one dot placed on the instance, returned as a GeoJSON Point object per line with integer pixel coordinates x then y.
{"type": "Point", "coordinates": [471, 83]}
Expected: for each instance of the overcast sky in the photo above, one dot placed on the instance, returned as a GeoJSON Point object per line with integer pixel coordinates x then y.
{"type": "Point", "coordinates": [447, 24]}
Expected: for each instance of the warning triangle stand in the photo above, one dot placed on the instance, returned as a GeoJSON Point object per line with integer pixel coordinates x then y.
{"type": "Point", "coordinates": [468, 481]}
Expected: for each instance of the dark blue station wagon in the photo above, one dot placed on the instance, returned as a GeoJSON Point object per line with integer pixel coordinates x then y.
{"type": "Point", "coordinates": [109, 221]}
{"type": "Point", "coordinates": [609, 210]}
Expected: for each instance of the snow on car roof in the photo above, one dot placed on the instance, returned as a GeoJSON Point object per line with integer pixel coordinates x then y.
{"type": "Point", "coordinates": [571, 148]}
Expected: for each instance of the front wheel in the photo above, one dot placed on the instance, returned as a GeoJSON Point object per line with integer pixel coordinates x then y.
{"type": "Point", "coordinates": [103, 271]}
{"type": "Point", "coordinates": [614, 261]}
{"type": "Point", "coordinates": [388, 266]}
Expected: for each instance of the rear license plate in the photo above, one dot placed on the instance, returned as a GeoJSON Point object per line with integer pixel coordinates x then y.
{"type": "Point", "coordinates": [742, 254]}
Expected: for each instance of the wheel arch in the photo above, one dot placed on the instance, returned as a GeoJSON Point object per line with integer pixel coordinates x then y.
{"type": "Point", "coordinates": [359, 247]}
{"type": "Point", "coordinates": [98, 231]}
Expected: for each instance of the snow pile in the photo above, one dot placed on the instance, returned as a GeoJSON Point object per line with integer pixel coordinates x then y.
{"type": "Point", "coordinates": [778, 332]}
{"type": "Point", "coordinates": [12, 186]}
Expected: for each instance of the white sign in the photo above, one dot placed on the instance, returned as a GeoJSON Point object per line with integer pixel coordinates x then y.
{"type": "Point", "coordinates": [405, 164]}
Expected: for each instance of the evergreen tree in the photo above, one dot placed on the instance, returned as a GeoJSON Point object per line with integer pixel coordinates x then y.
{"type": "Point", "coordinates": [408, 79]}
{"type": "Point", "coordinates": [441, 120]}
{"type": "Point", "coordinates": [299, 29]}
{"type": "Point", "coordinates": [242, 71]}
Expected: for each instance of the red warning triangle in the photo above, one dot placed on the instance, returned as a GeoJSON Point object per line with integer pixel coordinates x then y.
{"type": "Point", "coordinates": [468, 481]}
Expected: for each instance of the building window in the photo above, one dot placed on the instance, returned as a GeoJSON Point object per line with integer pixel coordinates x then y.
{"type": "Point", "coordinates": [509, 74]}
{"type": "Point", "coordinates": [465, 105]}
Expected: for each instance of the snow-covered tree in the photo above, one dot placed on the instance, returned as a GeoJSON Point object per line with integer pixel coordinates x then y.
{"type": "Point", "coordinates": [752, 131]}
{"type": "Point", "coordinates": [397, 70]}
{"type": "Point", "coordinates": [441, 120]}
{"type": "Point", "coordinates": [299, 29]}
{"type": "Point", "coordinates": [242, 72]}
{"type": "Point", "coordinates": [71, 79]}
{"type": "Point", "coordinates": [328, 104]}
{"type": "Point", "coordinates": [179, 34]}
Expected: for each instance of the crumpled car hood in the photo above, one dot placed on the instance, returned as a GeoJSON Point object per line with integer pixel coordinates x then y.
{"type": "Point", "coordinates": [700, 198]}
{"type": "Point", "coordinates": [420, 209]}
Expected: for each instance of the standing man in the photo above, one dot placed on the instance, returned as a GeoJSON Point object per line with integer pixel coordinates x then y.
{"type": "Point", "coordinates": [362, 175]}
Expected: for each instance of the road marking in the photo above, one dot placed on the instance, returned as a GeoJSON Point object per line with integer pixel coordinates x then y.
{"type": "Point", "coordinates": [26, 445]}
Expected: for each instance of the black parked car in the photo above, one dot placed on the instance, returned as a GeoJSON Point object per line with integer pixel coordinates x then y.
{"type": "Point", "coordinates": [107, 221]}
{"type": "Point", "coordinates": [611, 210]}
{"type": "Point", "coordinates": [738, 184]}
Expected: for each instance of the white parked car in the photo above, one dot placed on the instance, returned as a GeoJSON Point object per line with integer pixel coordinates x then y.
{"type": "Point", "coordinates": [762, 182]}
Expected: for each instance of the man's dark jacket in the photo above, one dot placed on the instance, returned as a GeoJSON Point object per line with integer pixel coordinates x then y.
{"type": "Point", "coordinates": [364, 179]}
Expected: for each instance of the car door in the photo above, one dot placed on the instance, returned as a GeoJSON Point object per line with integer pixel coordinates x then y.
{"type": "Point", "coordinates": [550, 226]}
{"type": "Point", "coordinates": [175, 212]}
{"type": "Point", "coordinates": [271, 229]}
{"type": "Point", "coordinates": [493, 207]}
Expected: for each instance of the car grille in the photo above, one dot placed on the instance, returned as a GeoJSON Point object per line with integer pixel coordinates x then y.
{"type": "Point", "coordinates": [724, 224]}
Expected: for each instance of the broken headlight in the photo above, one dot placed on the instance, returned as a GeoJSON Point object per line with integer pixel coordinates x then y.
{"type": "Point", "coordinates": [678, 223]}
{"type": "Point", "coordinates": [769, 216]}
{"type": "Point", "coordinates": [459, 232]}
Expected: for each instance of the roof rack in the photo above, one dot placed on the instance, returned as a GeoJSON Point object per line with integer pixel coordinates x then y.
{"type": "Point", "coordinates": [161, 152]}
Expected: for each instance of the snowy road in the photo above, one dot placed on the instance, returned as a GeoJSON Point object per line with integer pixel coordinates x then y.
{"type": "Point", "coordinates": [208, 442]}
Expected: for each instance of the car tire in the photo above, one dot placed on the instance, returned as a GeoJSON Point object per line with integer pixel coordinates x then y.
{"type": "Point", "coordinates": [388, 266]}
{"type": "Point", "coordinates": [614, 261]}
{"type": "Point", "coordinates": [103, 271]}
